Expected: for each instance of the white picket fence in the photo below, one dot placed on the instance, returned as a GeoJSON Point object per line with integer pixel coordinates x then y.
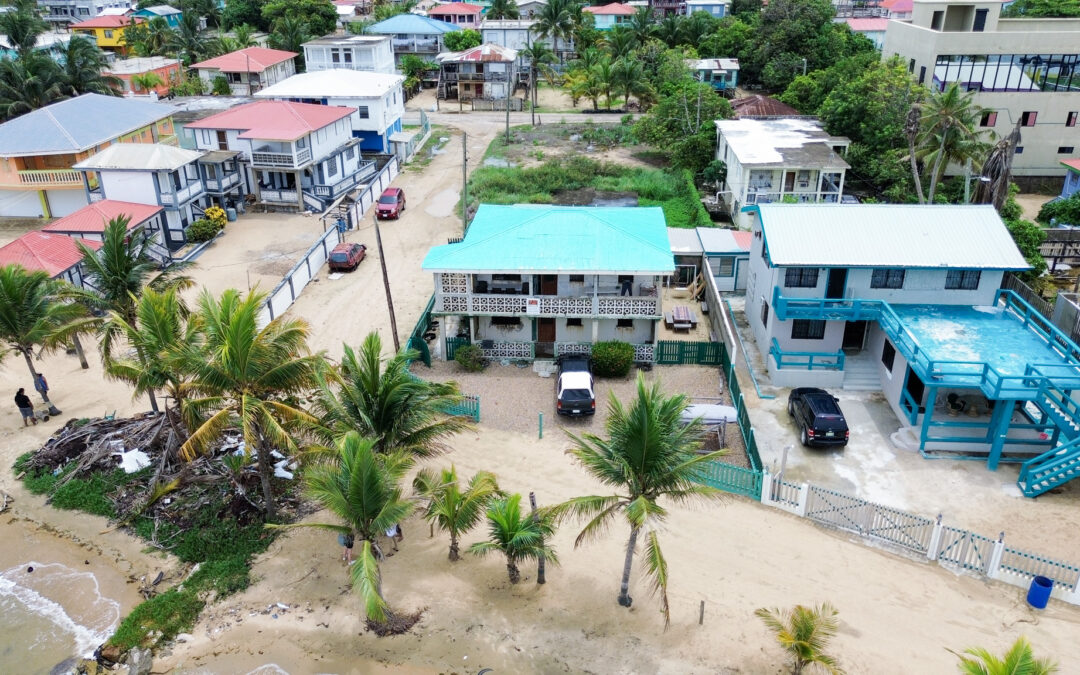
{"type": "Point", "coordinates": [925, 537]}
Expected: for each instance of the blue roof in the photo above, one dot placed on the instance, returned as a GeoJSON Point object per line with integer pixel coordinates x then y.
{"type": "Point", "coordinates": [559, 239]}
{"type": "Point", "coordinates": [412, 24]}
{"type": "Point", "coordinates": [77, 124]}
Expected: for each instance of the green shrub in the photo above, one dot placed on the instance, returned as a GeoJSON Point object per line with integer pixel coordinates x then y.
{"type": "Point", "coordinates": [1066, 211]}
{"type": "Point", "coordinates": [171, 613]}
{"type": "Point", "coordinates": [221, 86]}
{"type": "Point", "coordinates": [470, 358]}
{"type": "Point", "coordinates": [612, 358]}
{"type": "Point", "coordinates": [202, 230]}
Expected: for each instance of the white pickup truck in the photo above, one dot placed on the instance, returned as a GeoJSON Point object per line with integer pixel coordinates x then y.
{"type": "Point", "coordinates": [574, 390]}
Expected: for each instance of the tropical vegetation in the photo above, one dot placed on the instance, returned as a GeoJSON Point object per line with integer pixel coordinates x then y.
{"type": "Point", "coordinates": [804, 633]}
{"type": "Point", "coordinates": [517, 535]}
{"type": "Point", "coordinates": [1019, 660]}
{"type": "Point", "coordinates": [451, 509]}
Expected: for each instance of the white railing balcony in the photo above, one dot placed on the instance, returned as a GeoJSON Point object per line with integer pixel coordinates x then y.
{"type": "Point", "coordinates": [613, 306]}
{"type": "Point", "coordinates": [222, 183]}
{"type": "Point", "coordinates": [285, 160]}
{"type": "Point", "coordinates": [183, 195]}
{"type": "Point", "coordinates": [51, 178]}
{"type": "Point", "coordinates": [279, 196]}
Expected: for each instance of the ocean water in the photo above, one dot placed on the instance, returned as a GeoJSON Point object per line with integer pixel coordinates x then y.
{"type": "Point", "coordinates": [50, 615]}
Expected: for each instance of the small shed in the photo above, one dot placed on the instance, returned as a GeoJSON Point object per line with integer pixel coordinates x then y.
{"type": "Point", "coordinates": [725, 252]}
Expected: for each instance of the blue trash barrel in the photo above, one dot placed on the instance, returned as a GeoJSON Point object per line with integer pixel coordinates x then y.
{"type": "Point", "coordinates": [230, 214]}
{"type": "Point", "coordinates": [1039, 593]}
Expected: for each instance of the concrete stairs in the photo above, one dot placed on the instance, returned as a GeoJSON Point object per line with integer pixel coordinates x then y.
{"type": "Point", "coordinates": [861, 373]}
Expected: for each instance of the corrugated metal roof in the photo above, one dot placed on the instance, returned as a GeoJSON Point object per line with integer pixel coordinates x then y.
{"type": "Point", "coordinates": [247, 60]}
{"type": "Point", "coordinates": [94, 217]}
{"type": "Point", "coordinates": [1072, 164]}
{"type": "Point", "coordinates": [616, 8]}
{"type": "Point", "coordinates": [794, 143]}
{"type": "Point", "coordinates": [455, 9]}
{"type": "Point", "coordinates": [485, 53]}
{"type": "Point", "coordinates": [108, 22]}
{"type": "Point", "coordinates": [888, 235]}
{"type": "Point", "coordinates": [139, 157]}
{"type": "Point", "coordinates": [52, 253]}
{"type": "Point", "coordinates": [719, 240]}
{"type": "Point", "coordinates": [412, 24]}
{"type": "Point", "coordinates": [684, 241]}
{"type": "Point", "coordinates": [333, 83]}
{"type": "Point", "coordinates": [76, 124]}
{"type": "Point", "coordinates": [559, 239]}
{"type": "Point", "coordinates": [274, 120]}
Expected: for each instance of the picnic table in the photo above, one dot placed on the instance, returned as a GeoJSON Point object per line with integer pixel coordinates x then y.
{"type": "Point", "coordinates": [682, 318]}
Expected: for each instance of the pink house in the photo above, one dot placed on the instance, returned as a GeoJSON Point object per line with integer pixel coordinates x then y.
{"type": "Point", "coordinates": [458, 13]}
{"type": "Point", "coordinates": [606, 17]}
{"type": "Point", "coordinates": [248, 70]}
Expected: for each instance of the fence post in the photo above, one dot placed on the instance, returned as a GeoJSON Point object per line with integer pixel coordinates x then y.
{"type": "Point", "coordinates": [804, 498]}
{"type": "Point", "coordinates": [994, 563]}
{"type": "Point", "coordinates": [935, 540]}
{"type": "Point", "coordinates": [766, 488]}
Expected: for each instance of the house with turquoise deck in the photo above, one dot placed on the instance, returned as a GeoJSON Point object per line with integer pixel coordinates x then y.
{"type": "Point", "coordinates": [908, 300]}
{"type": "Point", "coordinates": [539, 281]}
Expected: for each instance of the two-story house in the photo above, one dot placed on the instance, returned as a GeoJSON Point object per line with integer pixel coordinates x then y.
{"type": "Point", "coordinates": [377, 98]}
{"type": "Point", "coordinates": [350, 52]}
{"type": "Point", "coordinates": [722, 74]}
{"type": "Point", "coordinates": [168, 70]}
{"type": "Point", "coordinates": [108, 31]}
{"type": "Point", "coordinates": [531, 281]}
{"type": "Point", "coordinates": [606, 17]}
{"type": "Point", "coordinates": [486, 71]}
{"type": "Point", "coordinates": [520, 34]}
{"type": "Point", "coordinates": [149, 173]}
{"type": "Point", "coordinates": [38, 149]}
{"type": "Point", "coordinates": [88, 223]}
{"type": "Point", "coordinates": [170, 14]}
{"type": "Point", "coordinates": [460, 14]}
{"type": "Point", "coordinates": [908, 300]}
{"type": "Point", "coordinates": [63, 13]}
{"type": "Point", "coordinates": [717, 9]}
{"type": "Point", "coordinates": [248, 70]}
{"type": "Point", "coordinates": [413, 34]}
{"type": "Point", "coordinates": [296, 155]}
{"type": "Point", "coordinates": [773, 160]}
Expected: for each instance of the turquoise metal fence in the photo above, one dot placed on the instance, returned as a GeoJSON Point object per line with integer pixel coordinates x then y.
{"type": "Point", "coordinates": [806, 360]}
{"type": "Point", "coordinates": [452, 344]}
{"type": "Point", "coordinates": [469, 406]}
{"type": "Point", "coordinates": [731, 478]}
{"type": "Point", "coordinates": [677, 352]}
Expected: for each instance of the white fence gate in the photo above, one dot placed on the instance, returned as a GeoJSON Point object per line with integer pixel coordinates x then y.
{"type": "Point", "coordinates": [290, 286]}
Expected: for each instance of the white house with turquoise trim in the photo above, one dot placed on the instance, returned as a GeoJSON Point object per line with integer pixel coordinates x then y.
{"type": "Point", "coordinates": [907, 300]}
{"type": "Point", "coordinates": [537, 281]}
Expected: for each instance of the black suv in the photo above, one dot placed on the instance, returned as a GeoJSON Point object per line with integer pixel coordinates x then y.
{"type": "Point", "coordinates": [819, 420]}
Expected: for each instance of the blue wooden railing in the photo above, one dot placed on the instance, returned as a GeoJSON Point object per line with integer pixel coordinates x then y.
{"type": "Point", "coordinates": [806, 360]}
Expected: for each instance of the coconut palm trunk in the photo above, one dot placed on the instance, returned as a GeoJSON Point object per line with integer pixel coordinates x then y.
{"type": "Point", "coordinates": [455, 552]}
{"type": "Point", "coordinates": [624, 591]}
{"type": "Point", "coordinates": [935, 176]}
{"type": "Point", "coordinates": [512, 570]}
{"type": "Point", "coordinates": [53, 410]}
{"type": "Point", "coordinates": [266, 472]}
{"type": "Point", "coordinates": [79, 352]}
{"type": "Point", "coordinates": [153, 401]}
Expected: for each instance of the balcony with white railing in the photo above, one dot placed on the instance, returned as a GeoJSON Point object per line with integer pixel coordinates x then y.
{"type": "Point", "coordinates": [183, 195]}
{"type": "Point", "coordinates": [281, 160]}
{"type": "Point", "coordinates": [604, 306]}
{"type": "Point", "coordinates": [364, 172]}
{"type": "Point", "coordinates": [50, 178]}
{"type": "Point", "coordinates": [223, 183]}
{"type": "Point", "coordinates": [279, 196]}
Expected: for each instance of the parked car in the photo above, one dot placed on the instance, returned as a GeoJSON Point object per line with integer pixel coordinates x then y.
{"type": "Point", "coordinates": [345, 257]}
{"type": "Point", "coordinates": [575, 394]}
{"type": "Point", "coordinates": [817, 417]}
{"type": "Point", "coordinates": [391, 203]}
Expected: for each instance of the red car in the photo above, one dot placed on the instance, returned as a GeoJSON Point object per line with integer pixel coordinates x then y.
{"type": "Point", "coordinates": [345, 257]}
{"type": "Point", "coordinates": [391, 203]}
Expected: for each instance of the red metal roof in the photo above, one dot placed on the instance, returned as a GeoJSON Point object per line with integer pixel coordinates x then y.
{"type": "Point", "coordinates": [764, 106]}
{"type": "Point", "coordinates": [454, 8]}
{"type": "Point", "coordinates": [112, 21]}
{"type": "Point", "coordinates": [1073, 164]}
{"type": "Point", "coordinates": [250, 60]}
{"type": "Point", "coordinates": [611, 8]}
{"type": "Point", "coordinates": [52, 253]}
{"type": "Point", "coordinates": [485, 53]}
{"type": "Point", "coordinates": [868, 24]}
{"type": "Point", "coordinates": [898, 6]}
{"type": "Point", "coordinates": [275, 120]}
{"type": "Point", "coordinates": [94, 217]}
{"type": "Point", "coordinates": [743, 239]}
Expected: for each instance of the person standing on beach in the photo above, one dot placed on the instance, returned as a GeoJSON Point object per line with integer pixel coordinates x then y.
{"type": "Point", "coordinates": [42, 386]}
{"type": "Point", "coordinates": [346, 541]}
{"type": "Point", "coordinates": [26, 406]}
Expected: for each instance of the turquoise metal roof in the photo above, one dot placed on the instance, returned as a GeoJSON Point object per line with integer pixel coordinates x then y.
{"type": "Point", "coordinates": [559, 239]}
{"type": "Point", "coordinates": [412, 24]}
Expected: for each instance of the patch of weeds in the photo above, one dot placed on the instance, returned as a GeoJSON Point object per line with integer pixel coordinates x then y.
{"type": "Point", "coordinates": [171, 613]}
{"type": "Point", "coordinates": [426, 153]}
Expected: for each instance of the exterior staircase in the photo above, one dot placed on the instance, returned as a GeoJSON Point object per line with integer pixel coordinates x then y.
{"type": "Point", "coordinates": [1050, 470]}
{"type": "Point", "coordinates": [861, 373]}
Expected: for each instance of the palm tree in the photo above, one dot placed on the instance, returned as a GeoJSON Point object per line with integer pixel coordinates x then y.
{"type": "Point", "coordinates": [146, 81]}
{"type": "Point", "coordinates": [670, 30]}
{"type": "Point", "coordinates": [804, 632]}
{"type": "Point", "coordinates": [555, 20]}
{"type": "Point", "coordinates": [630, 79]}
{"type": "Point", "coordinates": [248, 377]}
{"type": "Point", "coordinates": [28, 83]}
{"type": "Point", "coordinates": [449, 508]}
{"type": "Point", "coordinates": [1019, 660]}
{"type": "Point", "coordinates": [120, 270]}
{"type": "Point", "coordinates": [539, 56]}
{"type": "Point", "coordinates": [241, 38]}
{"type": "Point", "coordinates": [290, 33]}
{"type": "Point", "coordinates": [157, 340]}
{"type": "Point", "coordinates": [641, 24]}
{"type": "Point", "coordinates": [34, 313]}
{"type": "Point", "coordinates": [950, 132]}
{"type": "Point", "coordinates": [22, 28]}
{"type": "Point", "coordinates": [604, 75]}
{"type": "Point", "coordinates": [516, 535]}
{"type": "Point", "coordinates": [649, 454]}
{"type": "Point", "coordinates": [502, 9]}
{"type": "Point", "coordinates": [621, 41]}
{"type": "Point", "coordinates": [81, 72]}
{"type": "Point", "coordinates": [362, 488]}
{"type": "Point", "coordinates": [911, 132]}
{"type": "Point", "coordinates": [383, 401]}
{"type": "Point", "coordinates": [188, 41]}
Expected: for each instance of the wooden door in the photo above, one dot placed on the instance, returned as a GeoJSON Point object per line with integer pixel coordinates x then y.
{"type": "Point", "coordinates": [789, 181]}
{"type": "Point", "coordinates": [222, 140]}
{"type": "Point", "coordinates": [549, 285]}
{"type": "Point", "coordinates": [545, 330]}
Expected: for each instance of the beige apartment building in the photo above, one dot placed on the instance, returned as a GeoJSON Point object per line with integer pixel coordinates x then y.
{"type": "Point", "coordinates": [1025, 71]}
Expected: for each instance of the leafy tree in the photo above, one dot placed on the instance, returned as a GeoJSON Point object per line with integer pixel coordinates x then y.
{"type": "Point", "coordinates": [28, 83]}
{"type": "Point", "coordinates": [746, 9]}
{"type": "Point", "coordinates": [804, 632]}
{"type": "Point", "coordinates": [290, 33]}
{"type": "Point", "coordinates": [35, 313]}
{"type": "Point", "coordinates": [1030, 9]}
{"type": "Point", "coordinates": [319, 16]}
{"type": "Point", "coordinates": [662, 65]}
{"type": "Point", "coordinates": [950, 133]}
{"type": "Point", "coordinates": [451, 509]}
{"type": "Point", "coordinates": [460, 40]}
{"type": "Point", "coordinates": [241, 12]}
{"type": "Point", "coordinates": [363, 489]}
{"type": "Point", "coordinates": [807, 93]}
{"type": "Point", "coordinates": [220, 86]}
{"type": "Point", "coordinates": [733, 38]}
{"type": "Point", "coordinates": [871, 107]}
{"type": "Point", "coordinates": [683, 122]}
{"type": "Point", "coordinates": [1065, 211]}
{"type": "Point", "coordinates": [81, 70]}
{"type": "Point", "coordinates": [1028, 237]}
{"type": "Point", "coordinates": [556, 20]}
{"type": "Point", "coordinates": [384, 401]}
{"type": "Point", "coordinates": [146, 81]}
{"type": "Point", "coordinates": [22, 27]}
{"type": "Point", "coordinates": [649, 453]}
{"type": "Point", "coordinates": [502, 9]}
{"type": "Point", "coordinates": [715, 173]}
{"type": "Point", "coordinates": [248, 377]}
{"type": "Point", "coordinates": [516, 535]}
{"type": "Point", "coordinates": [1019, 660]}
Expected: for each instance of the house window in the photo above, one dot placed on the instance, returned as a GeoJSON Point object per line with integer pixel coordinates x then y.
{"type": "Point", "coordinates": [965, 280]}
{"type": "Point", "coordinates": [797, 277]}
{"type": "Point", "coordinates": [1019, 149]}
{"type": "Point", "coordinates": [573, 323]}
{"type": "Point", "coordinates": [989, 119]}
{"type": "Point", "coordinates": [331, 167]}
{"type": "Point", "coordinates": [577, 278]}
{"type": "Point", "coordinates": [108, 34]}
{"type": "Point", "coordinates": [362, 111]}
{"type": "Point", "coordinates": [1070, 119]}
{"type": "Point", "coordinates": [807, 329]}
{"type": "Point", "coordinates": [335, 55]}
{"type": "Point", "coordinates": [764, 313]}
{"type": "Point", "coordinates": [506, 321]}
{"type": "Point", "coordinates": [979, 24]}
{"type": "Point", "coordinates": [624, 323]}
{"type": "Point", "coordinates": [883, 278]}
{"type": "Point", "coordinates": [888, 355]}
{"type": "Point", "coordinates": [1028, 118]}
{"type": "Point", "coordinates": [725, 266]}
{"type": "Point", "coordinates": [1065, 150]}
{"type": "Point", "coordinates": [922, 74]}
{"type": "Point", "coordinates": [347, 55]}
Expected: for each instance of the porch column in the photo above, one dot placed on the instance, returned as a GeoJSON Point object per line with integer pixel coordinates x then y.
{"type": "Point", "coordinates": [299, 191]}
{"type": "Point", "coordinates": [999, 429]}
{"type": "Point", "coordinates": [931, 396]}
{"type": "Point", "coordinates": [595, 329]}
{"type": "Point", "coordinates": [442, 336]}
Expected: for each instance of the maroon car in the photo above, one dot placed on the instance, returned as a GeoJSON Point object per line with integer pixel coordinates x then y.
{"type": "Point", "coordinates": [345, 257]}
{"type": "Point", "coordinates": [391, 203]}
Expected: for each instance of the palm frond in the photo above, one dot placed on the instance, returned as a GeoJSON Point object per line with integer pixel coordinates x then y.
{"type": "Point", "coordinates": [367, 582]}
{"type": "Point", "coordinates": [656, 568]}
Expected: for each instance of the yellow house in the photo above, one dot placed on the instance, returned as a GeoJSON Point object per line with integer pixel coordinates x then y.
{"type": "Point", "coordinates": [38, 149]}
{"type": "Point", "coordinates": [108, 30]}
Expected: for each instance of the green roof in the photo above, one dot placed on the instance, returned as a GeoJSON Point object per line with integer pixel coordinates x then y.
{"type": "Point", "coordinates": [559, 239]}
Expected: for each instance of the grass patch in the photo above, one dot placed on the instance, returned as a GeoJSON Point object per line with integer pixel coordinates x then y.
{"type": "Point", "coordinates": [673, 190]}
{"type": "Point", "coordinates": [171, 613]}
{"type": "Point", "coordinates": [425, 153]}
{"type": "Point", "coordinates": [89, 493]}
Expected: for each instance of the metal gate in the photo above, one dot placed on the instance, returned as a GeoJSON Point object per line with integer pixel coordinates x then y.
{"type": "Point", "coordinates": [677, 352]}
{"type": "Point", "coordinates": [452, 343]}
{"type": "Point", "coordinates": [836, 509]}
{"type": "Point", "coordinates": [966, 549]}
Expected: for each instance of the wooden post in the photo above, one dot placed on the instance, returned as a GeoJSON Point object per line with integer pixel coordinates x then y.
{"type": "Point", "coordinates": [539, 561]}
{"type": "Point", "coordinates": [701, 613]}
{"type": "Point", "coordinates": [464, 183]}
{"type": "Point", "coordinates": [386, 282]}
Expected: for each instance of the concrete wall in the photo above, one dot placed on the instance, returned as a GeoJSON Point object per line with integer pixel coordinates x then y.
{"type": "Point", "coordinates": [641, 332]}
{"type": "Point", "coordinates": [375, 57]}
{"type": "Point", "coordinates": [129, 186]}
{"type": "Point", "coordinates": [22, 203]}
{"type": "Point", "coordinates": [64, 202]}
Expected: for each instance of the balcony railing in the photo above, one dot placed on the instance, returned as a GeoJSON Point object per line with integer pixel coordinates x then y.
{"type": "Point", "coordinates": [285, 160]}
{"type": "Point", "coordinates": [366, 170]}
{"type": "Point", "coordinates": [51, 178]}
{"type": "Point", "coordinates": [168, 139]}
{"type": "Point", "coordinates": [222, 183]}
{"type": "Point", "coordinates": [613, 306]}
{"type": "Point", "coordinates": [474, 77]}
{"type": "Point", "coordinates": [806, 360]}
{"type": "Point", "coordinates": [183, 195]}
{"type": "Point", "coordinates": [279, 196]}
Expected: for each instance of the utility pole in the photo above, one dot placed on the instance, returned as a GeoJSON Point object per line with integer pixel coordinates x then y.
{"type": "Point", "coordinates": [464, 183]}
{"type": "Point", "coordinates": [386, 282]}
{"type": "Point", "coordinates": [508, 94]}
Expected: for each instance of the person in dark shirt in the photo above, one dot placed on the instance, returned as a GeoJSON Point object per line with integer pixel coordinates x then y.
{"type": "Point", "coordinates": [26, 407]}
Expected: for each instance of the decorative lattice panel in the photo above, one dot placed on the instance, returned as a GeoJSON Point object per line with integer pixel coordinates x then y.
{"type": "Point", "coordinates": [643, 353]}
{"type": "Point", "coordinates": [628, 306]}
{"type": "Point", "coordinates": [453, 303]}
{"type": "Point", "coordinates": [573, 348]}
{"type": "Point", "coordinates": [508, 350]}
{"type": "Point", "coordinates": [570, 306]}
{"type": "Point", "coordinates": [453, 283]}
{"type": "Point", "coordinates": [498, 304]}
